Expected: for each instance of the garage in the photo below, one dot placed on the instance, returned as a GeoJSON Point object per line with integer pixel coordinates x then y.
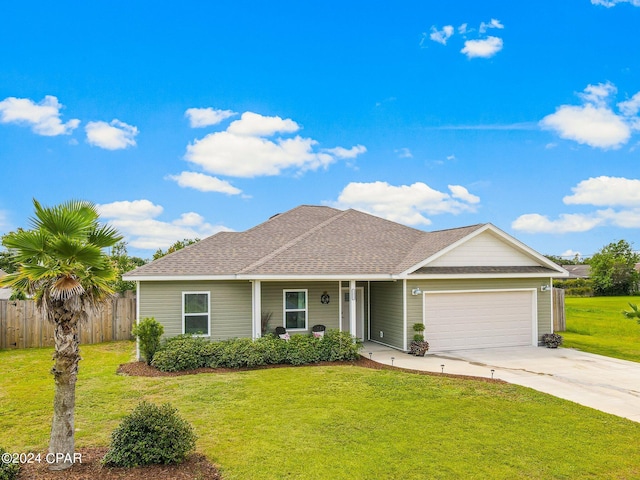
{"type": "Point", "coordinates": [479, 319]}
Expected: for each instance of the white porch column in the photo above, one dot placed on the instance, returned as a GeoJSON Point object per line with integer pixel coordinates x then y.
{"type": "Point", "coordinates": [257, 309]}
{"type": "Point", "coordinates": [138, 318]}
{"type": "Point", "coordinates": [352, 308]}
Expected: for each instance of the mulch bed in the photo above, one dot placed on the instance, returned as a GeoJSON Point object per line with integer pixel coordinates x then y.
{"type": "Point", "coordinates": [141, 369]}
{"type": "Point", "coordinates": [195, 467]}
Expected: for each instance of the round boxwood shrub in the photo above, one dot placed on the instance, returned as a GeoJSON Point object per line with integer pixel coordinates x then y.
{"type": "Point", "coordinates": [8, 471]}
{"type": "Point", "coordinates": [150, 434]}
{"type": "Point", "coordinates": [183, 352]}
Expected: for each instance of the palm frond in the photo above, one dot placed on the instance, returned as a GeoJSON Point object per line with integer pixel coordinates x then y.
{"type": "Point", "coordinates": [104, 236]}
{"type": "Point", "coordinates": [73, 218]}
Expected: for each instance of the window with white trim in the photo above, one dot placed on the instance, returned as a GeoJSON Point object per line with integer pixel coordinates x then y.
{"type": "Point", "coordinates": [195, 313]}
{"type": "Point", "coordinates": [295, 309]}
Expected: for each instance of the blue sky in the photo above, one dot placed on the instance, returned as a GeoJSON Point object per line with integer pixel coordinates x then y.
{"type": "Point", "coordinates": [183, 119]}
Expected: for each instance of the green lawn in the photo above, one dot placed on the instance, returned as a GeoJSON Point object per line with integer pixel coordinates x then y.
{"type": "Point", "coordinates": [596, 325]}
{"type": "Point", "coordinates": [332, 422]}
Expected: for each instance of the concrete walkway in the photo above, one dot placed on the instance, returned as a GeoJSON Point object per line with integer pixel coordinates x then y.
{"type": "Point", "coordinates": [603, 383]}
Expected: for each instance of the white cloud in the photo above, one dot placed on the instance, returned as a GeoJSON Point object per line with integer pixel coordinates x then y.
{"type": "Point", "coordinates": [461, 193]}
{"type": "Point", "coordinates": [135, 210]}
{"type": "Point", "coordinates": [571, 253]}
{"type": "Point", "coordinates": [492, 24]}
{"type": "Point", "coordinates": [594, 126]}
{"type": "Point", "coordinates": [594, 123]}
{"type": "Point", "coordinates": [463, 29]}
{"type": "Point", "coordinates": [630, 107]}
{"type": "Point", "coordinates": [137, 221]}
{"type": "Point", "coordinates": [243, 151]}
{"type": "Point", "coordinates": [566, 223]}
{"type": "Point", "coordinates": [600, 191]}
{"type": "Point", "coordinates": [204, 183]}
{"type": "Point", "coordinates": [404, 153]}
{"type": "Point", "coordinates": [116, 135]}
{"type": "Point", "coordinates": [406, 204]}
{"type": "Point", "coordinates": [43, 117]}
{"type": "Point", "coordinates": [613, 3]}
{"type": "Point", "coordinates": [441, 36]}
{"type": "Point", "coordinates": [203, 117]}
{"type": "Point", "coordinates": [484, 48]}
{"type": "Point", "coordinates": [597, 95]}
{"type": "Point", "coordinates": [256, 125]}
{"type": "Point", "coordinates": [606, 191]}
{"type": "Point", "coordinates": [341, 152]}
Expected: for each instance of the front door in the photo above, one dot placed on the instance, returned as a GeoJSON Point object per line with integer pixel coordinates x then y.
{"type": "Point", "coordinates": [344, 321]}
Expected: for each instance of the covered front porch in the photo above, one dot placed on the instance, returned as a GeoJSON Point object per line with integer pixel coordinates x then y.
{"type": "Point", "coordinates": [298, 305]}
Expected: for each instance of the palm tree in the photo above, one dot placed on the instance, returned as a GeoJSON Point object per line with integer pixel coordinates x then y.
{"type": "Point", "coordinates": [634, 313]}
{"type": "Point", "coordinates": [61, 263]}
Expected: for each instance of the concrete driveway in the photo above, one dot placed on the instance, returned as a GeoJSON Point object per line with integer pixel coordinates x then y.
{"type": "Point", "coordinates": [603, 383]}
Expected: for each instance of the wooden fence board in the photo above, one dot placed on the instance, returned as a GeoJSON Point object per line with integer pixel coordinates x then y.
{"type": "Point", "coordinates": [23, 326]}
{"type": "Point", "coordinates": [559, 319]}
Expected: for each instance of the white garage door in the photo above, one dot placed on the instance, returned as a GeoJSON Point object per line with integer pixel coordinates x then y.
{"type": "Point", "coordinates": [463, 320]}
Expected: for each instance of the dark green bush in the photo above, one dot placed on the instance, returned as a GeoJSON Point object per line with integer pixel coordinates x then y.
{"type": "Point", "coordinates": [187, 352]}
{"type": "Point", "coordinates": [150, 434]}
{"type": "Point", "coordinates": [8, 471]}
{"type": "Point", "coordinates": [184, 352]}
{"type": "Point", "coordinates": [148, 331]}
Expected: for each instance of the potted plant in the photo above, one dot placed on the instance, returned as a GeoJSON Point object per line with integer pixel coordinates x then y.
{"type": "Point", "coordinates": [419, 345]}
{"type": "Point", "coordinates": [552, 340]}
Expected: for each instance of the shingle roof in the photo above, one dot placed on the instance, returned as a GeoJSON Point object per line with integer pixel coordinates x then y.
{"type": "Point", "coordinates": [308, 240]}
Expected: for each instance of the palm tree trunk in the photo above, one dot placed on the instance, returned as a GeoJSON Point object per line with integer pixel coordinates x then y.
{"type": "Point", "coordinates": [65, 373]}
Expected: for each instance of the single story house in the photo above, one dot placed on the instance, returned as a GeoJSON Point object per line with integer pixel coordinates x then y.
{"type": "Point", "coordinates": [578, 271]}
{"type": "Point", "coordinates": [472, 287]}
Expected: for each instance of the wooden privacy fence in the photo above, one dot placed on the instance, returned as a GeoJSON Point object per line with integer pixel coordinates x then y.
{"type": "Point", "coordinates": [23, 326]}
{"type": "Point", "coordinates": [559, 321]}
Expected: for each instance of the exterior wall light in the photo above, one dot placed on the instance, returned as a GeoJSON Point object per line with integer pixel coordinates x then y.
{"type": "Point", "coordinates": [416, 291]}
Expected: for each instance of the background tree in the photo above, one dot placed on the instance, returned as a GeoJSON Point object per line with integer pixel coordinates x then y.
{"type": "Point", "coordinates": [123, 263]}
{"type": "Point", "coordinates": [62, 263]}
{"type": "Point", "coordinates": [613, 269]}
{"type": "Point", "coordinates": [180, 244]}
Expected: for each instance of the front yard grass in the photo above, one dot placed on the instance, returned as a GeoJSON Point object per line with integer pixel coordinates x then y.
{"type": "Point", "coordinates": [596, 325]}
{"type": "Point", "coordinates": [338, 422]}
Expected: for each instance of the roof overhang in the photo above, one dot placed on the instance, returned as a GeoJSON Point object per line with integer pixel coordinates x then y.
{"type": "Point", "coordinates": [246, 277]}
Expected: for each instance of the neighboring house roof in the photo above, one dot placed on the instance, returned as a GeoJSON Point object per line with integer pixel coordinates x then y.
{"type": "Point", "coordinates": [318, 241]}
{"type": "Point", "coordinates": [578, 271]}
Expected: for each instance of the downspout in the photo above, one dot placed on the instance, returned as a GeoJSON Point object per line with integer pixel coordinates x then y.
{"type": "Point", "coordinates": [138, 318]}
{"type": "Point", "coordinates": [404, 314]}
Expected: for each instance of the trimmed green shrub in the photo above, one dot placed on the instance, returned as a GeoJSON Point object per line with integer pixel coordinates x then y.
{"type": "Point", "coordinates": [148, 332]}
{"type": "Point", "coordinates": [150, 434]}
{"type": "Point", "coordinates": [8, 471]}
{"type": "Point", "coordinates": [184, 352]}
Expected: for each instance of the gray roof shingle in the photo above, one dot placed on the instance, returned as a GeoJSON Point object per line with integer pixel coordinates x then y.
{"type": "Point", "coordinates": [308, 240]}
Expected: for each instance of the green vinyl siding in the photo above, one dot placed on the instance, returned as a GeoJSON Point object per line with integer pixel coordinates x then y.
{"type": "Point", "coordinates": [318, 312]}
{"type": "Point", "coordinates": [387, 313]}
{"type": "Point", "coordinates": [230, 306]}
{"type": "Point", "coordinates": [415, 302]}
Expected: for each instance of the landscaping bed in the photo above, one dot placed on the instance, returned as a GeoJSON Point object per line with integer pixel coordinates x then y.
{"type": "Point", "coordinates": [196, 466]}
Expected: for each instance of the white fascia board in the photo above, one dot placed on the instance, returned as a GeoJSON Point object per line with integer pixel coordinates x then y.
{"type": "Point", "coordinates": [166, 278]}
{"type": "Point", "coordinates": [456, 276]}
{"type": "Point", "coordinates": [249, 277]}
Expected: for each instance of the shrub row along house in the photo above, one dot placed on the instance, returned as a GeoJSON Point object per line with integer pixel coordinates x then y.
{"type": "Point", "coordinates": [472, 287]}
